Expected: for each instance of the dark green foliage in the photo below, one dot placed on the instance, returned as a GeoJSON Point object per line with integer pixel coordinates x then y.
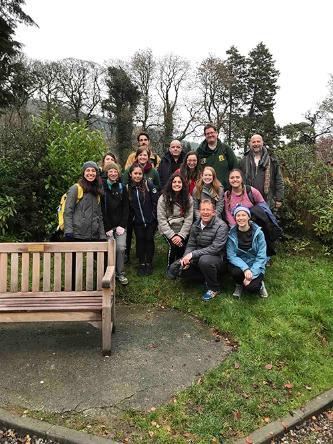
{"type": "Point", "coordinates": [122, 101]}
{"type": "Point", "coordinates": [307, 181]}
{"type": "Point", "coordinates": [11, 14]}
{"type": "Point", "coordinates": [38, 163]}
{"type": "Point", "coordinates": [23, 169]}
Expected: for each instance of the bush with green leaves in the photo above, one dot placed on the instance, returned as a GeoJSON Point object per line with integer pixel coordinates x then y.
{"type": "Point", "coordinates": [38, 163]}
{"type": "Point", "coordinates": [7, 212]}
{"type": "Point", "coordinates": [69, 145]}
{"type": "Point", "coordinates": [307, 181]}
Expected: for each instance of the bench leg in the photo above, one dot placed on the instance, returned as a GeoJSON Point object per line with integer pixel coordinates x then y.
{"type": "Point", "coordinates": [106, 323]}
{"type": "Point", "coordinates": [113, 313]}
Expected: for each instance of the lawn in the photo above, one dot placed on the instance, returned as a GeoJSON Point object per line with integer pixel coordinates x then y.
{"type": "Point", "coordinates": [283, 358]}
{"type": "Point", "coordinates": [282, 352]}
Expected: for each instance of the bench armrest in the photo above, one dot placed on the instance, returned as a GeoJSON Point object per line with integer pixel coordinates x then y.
{"type": "Point", "coordinates": [108, 276]}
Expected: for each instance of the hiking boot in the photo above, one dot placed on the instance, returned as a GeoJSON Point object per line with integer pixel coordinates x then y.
{"type": "Point", "coordinates": [263, 292]}
{"type": "Point", "coordinates": [141, 270]}
{"type": "Point", "coordinates": [149, 269]}
{"type": "Point", "coordinates": [122, 279]}
{"type": "Point", "coordinates": [238, 291]}
{"type": "Point", "coordinates": [209, 294]}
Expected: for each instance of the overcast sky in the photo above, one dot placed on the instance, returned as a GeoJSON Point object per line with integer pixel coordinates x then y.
{"type": "Point", "coordinates": [298, 34]}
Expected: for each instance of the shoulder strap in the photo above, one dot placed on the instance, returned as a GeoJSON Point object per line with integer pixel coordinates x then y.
{"type": "Point", "coordinates": [250, 194]}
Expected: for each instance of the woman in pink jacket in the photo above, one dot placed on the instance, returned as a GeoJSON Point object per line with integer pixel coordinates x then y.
{"type": "Point", "coordinates": [239, 194]}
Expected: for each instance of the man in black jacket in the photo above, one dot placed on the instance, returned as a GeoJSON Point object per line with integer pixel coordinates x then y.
{"type": "Point", "coordinates": [170, 162]}
{"type": "Point", "coordinates": [205, 251]}
{"type": "Point", "coordinates": [262, 171]}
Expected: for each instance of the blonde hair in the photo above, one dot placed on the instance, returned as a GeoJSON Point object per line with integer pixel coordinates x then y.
{"type": "Point", "coordinates": [215, 185]}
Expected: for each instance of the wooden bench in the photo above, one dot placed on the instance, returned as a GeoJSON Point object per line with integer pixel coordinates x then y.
{"type": "Point", "coordinates": [36, 283]}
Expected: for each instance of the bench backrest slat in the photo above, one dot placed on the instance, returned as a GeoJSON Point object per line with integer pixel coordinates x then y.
{"type": "Point", "coordinates": [100, 270]}
{"type": "Point", "coordinates": [79, 272]}
{"type": "Point", "coordinates": [3, 271]}
{"type": "Point", "coordinates": [90, 271]}
{"type": "Point", "coordinates": [25, 272]}
{"type": "Point", "coordinates": [46, 271]}
{"type": "Point", "coordinates": [14, 264]}
{"type": "Point", "coordinates": [68, 271]}
{"type": "Point", "coordinates": [26, 268]}
{"type": "Point", "coordinates": [35, 271]}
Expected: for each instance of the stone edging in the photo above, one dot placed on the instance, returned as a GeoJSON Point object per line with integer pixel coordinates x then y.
{"type": "Point", "coordinates": [43, 429]}
{"type": "Point", "coordinates": [278, 428]}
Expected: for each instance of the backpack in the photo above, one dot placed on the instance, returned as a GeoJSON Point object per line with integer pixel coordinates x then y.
{"type": "Point", "coordinates": [62, 204]}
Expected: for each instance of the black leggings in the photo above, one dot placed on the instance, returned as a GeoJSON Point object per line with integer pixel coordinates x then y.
{"type": "Point", "coordinates": [238, 276]}
{"type": "Point", "coordinates": [145, 242]}
{"type": "Point", "coordinates": [174, 252]}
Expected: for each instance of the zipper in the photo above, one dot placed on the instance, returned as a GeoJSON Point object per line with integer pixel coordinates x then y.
{"type": "Point", "coordinates": [140, 208]}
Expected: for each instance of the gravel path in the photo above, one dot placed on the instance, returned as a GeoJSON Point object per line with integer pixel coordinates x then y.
{"type": "Point", "coordinates": [317, 430]}
{"type": "Point", "coordinates": [9, 436]}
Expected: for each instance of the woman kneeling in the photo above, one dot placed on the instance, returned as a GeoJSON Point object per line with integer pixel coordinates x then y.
{"type": "Point", "coordinates": [246, 252]}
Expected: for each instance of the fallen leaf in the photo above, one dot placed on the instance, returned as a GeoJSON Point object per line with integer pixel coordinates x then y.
{"type": "Point", "coordinates": [329, 415]}
{"type": "Point", "coordinates": [308, 387]}
{"type": "Point", "coordinates": [237, 365]}
{"type": "Point", "coordinates": [268, 366]}
{"type": "Point", "coordinates": [154, 423]}
{"type": "Point", "coordinates": [249, 440]}
{"type": "Point", "coordinates": [267, 419]}
{"type": "Point", "coordinates": [167, 428]}
{"type": "Point", "coordinates": [151, 434]}
{"type": "Point", "coordinates": [152, 409]}
{"type": "Point", "coordinates": [284, 425]}
{"type": "Point", "coordinates": [288, 386]}
{"type": "Point", "coordinates": [275, 401]}
{"type": "Point", "coordinates": [245, 395]}
{"type": "Point", "coordinates": [237, 414]}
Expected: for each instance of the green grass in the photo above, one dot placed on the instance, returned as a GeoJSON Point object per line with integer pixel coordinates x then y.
{"type": "Point", "coordinates": [292, 330]}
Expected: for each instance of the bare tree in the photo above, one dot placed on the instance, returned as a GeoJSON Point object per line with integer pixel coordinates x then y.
{"type": "Point", "coordinates": [80, 87]}
{"type": "Point", "coordinates": [143, 71]}
{"type": "Point", "coordinates": [173, 72]}
{"type": "Point", "coordinates": [214, 84]}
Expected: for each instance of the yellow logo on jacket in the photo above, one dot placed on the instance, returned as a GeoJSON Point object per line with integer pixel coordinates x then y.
{"type": "Point", "coordinates": [221, 158]}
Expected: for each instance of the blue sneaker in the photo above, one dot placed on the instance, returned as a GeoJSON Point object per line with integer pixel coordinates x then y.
{"type": "Point", "coordinates": [209, 294]}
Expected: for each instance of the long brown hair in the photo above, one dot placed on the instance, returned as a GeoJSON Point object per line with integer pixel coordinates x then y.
{"type": "Point", "coordinates": [216, 184]}
{"type": "Point", "coordinates": [186, 172]}
{"type": "Point", "coordinates": [228, 192]}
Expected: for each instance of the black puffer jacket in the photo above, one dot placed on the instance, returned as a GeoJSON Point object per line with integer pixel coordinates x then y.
{"type": "Point", "coordinates": [115, 206]}
{"type": "Point", "coordinates": [143, 205]}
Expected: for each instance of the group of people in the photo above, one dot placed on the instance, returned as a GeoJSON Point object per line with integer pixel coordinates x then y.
{"type": "Point", "coordinates": [201, 202]}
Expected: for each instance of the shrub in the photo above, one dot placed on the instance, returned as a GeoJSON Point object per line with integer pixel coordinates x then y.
{"type": "Point", "coordinates": [307, 181]}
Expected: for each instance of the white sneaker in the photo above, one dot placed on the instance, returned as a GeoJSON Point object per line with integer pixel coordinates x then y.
{"type": "Point", "coordinates": [122, 279]}
{"type": "Point", "coordinates": [263, 292]}
{"type": "Point", "coordinates": [238, 291]}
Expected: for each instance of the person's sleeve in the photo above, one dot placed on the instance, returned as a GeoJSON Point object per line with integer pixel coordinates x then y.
{"type": "Point", "coordinates": [220, 204]}
{"type": "Point", "coordinates": [231, 157]}
{"type": "Point", "coordinates": [124, 177]}
{"type": "Point", "coordinates": [130, 160]}
{"type": "Point", "coordinates": [261, 257]}
{"type": "Point", "coordinates": [257, 196]}
{"type": "Point", "coordinates": [191, 244]}
{"type": "Point", "coordinates": [125, 208]}
{"type": "Point", "coordinates": [69, 209]}
{"type": "Point", "coordinates": [163, 224]}
{"type": "Point", "coordinates": [154, 197]}
{"type": "Point", "coordinates": [233, 258]}
{"type": "Point", "coordinates": [217, 245]}
{"type": "Point", "coordinates": [102, 234]}
{"type": "Point", "coordinates": [230, 219]}
{"type": "Point", "coordinates": [279, 185]}
{"type": "Point", "coordinates": [188, 220]}
{"type": "Point", "coordinates": [196, 204]}
{"type": "Point", "coordinates": [156, 179]}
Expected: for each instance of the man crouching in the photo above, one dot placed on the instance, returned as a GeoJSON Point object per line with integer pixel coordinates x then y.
{"type": "Point", "coordinates": [204, 251]}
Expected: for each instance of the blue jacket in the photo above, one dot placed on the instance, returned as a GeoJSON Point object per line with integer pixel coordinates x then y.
{"type": "Point", "coordinates": [255, 258]}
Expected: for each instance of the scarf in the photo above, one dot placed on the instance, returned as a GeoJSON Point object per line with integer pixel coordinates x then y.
{"type": "Point", "coordinates": [251, 168]}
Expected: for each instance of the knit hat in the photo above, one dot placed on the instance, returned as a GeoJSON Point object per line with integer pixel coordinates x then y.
{"type": "Point", "coordinates": [112, 166]}
{"type": "Point", "coordinates": [89, 164]}
{"type": "Point", "coordinates": [239, 208]}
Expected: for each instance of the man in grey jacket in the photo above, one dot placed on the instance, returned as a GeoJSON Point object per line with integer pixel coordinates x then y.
{"type": "Point", "coordinates": [204, 251]}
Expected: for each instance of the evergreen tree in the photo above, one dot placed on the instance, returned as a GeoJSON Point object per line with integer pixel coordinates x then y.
{"type": "Point", "coordinates": [261, 90]}
{"type": "Point", "coordinates": [11, 14]}
{"type": "Point", "coordinates": [121, 104]}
